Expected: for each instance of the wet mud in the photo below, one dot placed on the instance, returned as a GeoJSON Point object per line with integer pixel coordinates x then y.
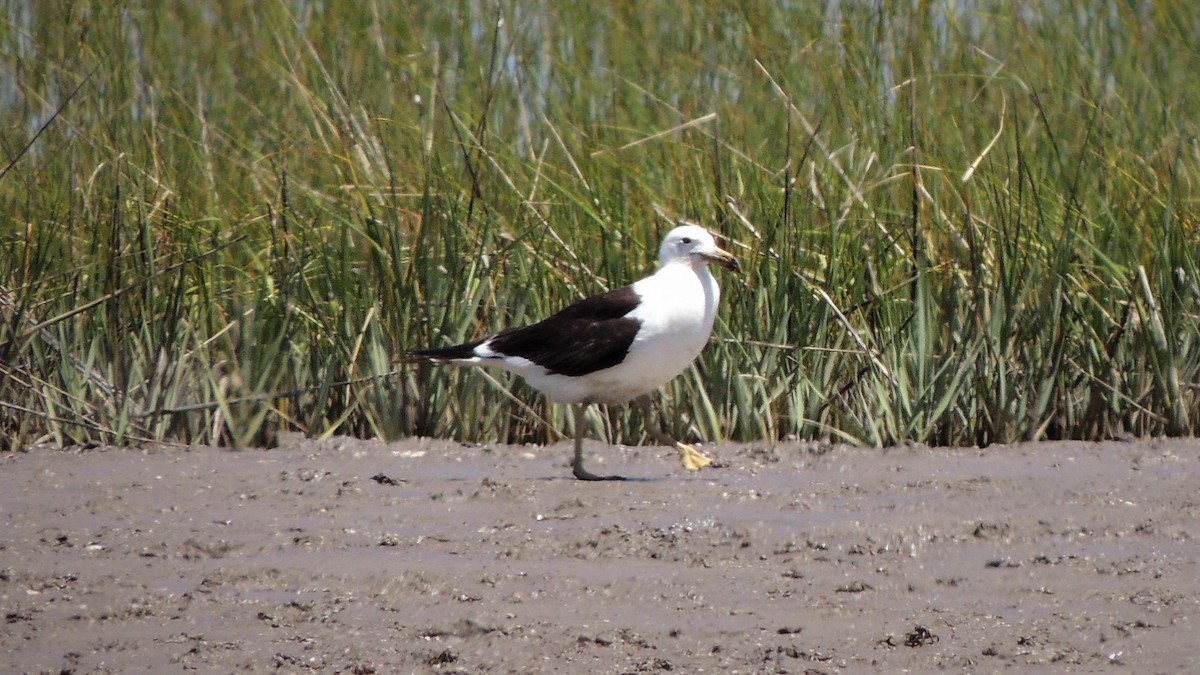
{"type": "Point", "coordinates": [430, 556]}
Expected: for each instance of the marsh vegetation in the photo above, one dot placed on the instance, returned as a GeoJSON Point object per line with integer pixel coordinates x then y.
{"type": "Point", "coordinates": [960, 224]}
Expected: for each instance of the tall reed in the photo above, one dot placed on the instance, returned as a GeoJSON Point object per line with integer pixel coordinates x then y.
{"type": "Point", "coordinates": [960, 224]}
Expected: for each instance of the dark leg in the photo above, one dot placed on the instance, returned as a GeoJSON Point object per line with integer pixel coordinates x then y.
{"type": "Point", "coordinates": [577, 464]}
{"type": "Point", "coordinates": [692, 458]}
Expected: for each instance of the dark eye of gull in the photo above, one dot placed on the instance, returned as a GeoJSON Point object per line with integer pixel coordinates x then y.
{"type": "Point", "coordinates": [686, 240]}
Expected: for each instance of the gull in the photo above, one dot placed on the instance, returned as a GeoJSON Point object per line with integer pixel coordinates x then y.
{"type": "Point", "coordinates": [617, 346]}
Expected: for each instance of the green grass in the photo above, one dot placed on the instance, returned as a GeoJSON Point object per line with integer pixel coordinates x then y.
{"type": "Point", "coordinates": [959, 226]}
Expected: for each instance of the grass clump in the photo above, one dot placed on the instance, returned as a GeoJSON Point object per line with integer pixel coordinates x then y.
{"type": "Point", "coordinates": [960, 225]}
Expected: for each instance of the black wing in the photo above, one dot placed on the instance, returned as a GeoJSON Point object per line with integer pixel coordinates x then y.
{"type": "Point", "coordinates": [590, 335]}
{"type": "Point", "coordinates": [463, 351]}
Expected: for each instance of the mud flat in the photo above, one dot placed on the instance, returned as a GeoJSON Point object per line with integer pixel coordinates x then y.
{"type": "Point", "coordinates": [432, 556]}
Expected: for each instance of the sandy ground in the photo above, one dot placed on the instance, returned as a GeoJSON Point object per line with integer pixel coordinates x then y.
{"type": "Point", "coordinates": [436, 557]}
